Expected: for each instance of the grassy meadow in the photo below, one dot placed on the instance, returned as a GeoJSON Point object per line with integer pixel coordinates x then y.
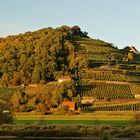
{"type": "Point", "coordinates": [119, 118]}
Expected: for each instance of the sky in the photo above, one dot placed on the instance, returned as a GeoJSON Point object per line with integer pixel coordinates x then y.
{"type": "Point", "coordinates": [114, 21]}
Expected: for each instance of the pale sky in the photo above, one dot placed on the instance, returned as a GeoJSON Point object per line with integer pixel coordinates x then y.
{"type": "Point", "coordinates": [114, 21]}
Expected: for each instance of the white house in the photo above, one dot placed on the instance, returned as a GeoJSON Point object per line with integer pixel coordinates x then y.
{"type": "Point", "coordinates": [64, 78]}
{"type": "Point", "coordinates": [6, 111]}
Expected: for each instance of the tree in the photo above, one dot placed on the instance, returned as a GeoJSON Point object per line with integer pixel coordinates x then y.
{"type": "Point", "coordinates": [5, 113]}
{"type": "Point", "coordinates": [136, 119]}
{"type": "Point", "coordinates": [41, 108]}
{"type": "Point", "coordinates": [77, 100]}
{"type": "Point", "coordinates": [75, 30]}
{"type": "Point", "coordinates": [57, 96]}
{"type": "Point", "coordinates": [5, 79]}
{"type": "Point", "coordinates": [17, 78]}
{"type": "Point", "coordinates": [131, 57]}
{"type": "Point", "coordinates": [70, 93]}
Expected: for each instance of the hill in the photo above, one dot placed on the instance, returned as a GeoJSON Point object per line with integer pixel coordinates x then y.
{"type": "Point", "coordinates": [43, 55]}
{"type": "Point", "coordinates": [103, 77]}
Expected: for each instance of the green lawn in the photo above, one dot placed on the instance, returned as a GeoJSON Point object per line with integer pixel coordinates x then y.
{"type": "Point", "coordinates": [100, 115]}
{"type": "Point", "coordinates": [97, 118]}
{"type": "Point", "coordinates": [71, 122]}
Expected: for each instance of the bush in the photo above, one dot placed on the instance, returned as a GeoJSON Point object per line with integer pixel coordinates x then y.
{"type": "Point", "coordinates": [136, 119]}
{"type": "Point", "coordinates": [70, 112]}
{"type": "Point", "coordinates": [6, 118]}
{"type": "Point", "coordinates": [62, 110]}
{"type": "Point", "coordinates": [96, 132]}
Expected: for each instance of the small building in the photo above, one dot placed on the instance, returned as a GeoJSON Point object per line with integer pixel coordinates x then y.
{"type": "Point", "coordinates": [6, 111]}
{"type": "Point", "coordinates": [133, 49]}
{"type": "Point", "coordinates": [137, 96]}
{"type": "Point", "coordinates": [88, 100]}
{"type": "Point", "coordinates": [33, 85]}
{"type": "Point", "coordinates": [69, 104]}
{"type": "Point", "coordinates": [63, 79]}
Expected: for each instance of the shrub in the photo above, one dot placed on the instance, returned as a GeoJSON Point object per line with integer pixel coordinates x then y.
{"type": "Point", "coordinates": [136, 119]}
{"type": "Point", "coordinates": [62, 110]}
{"type": "Point", "coordinates": [6, 118]}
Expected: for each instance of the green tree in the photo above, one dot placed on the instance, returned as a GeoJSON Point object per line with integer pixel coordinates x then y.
{"type": "Point", "coordinates": [131, 57]}
{"type": "Point", "coordinates": [5, 79]}
{"type": "Point", "coordinates": [75, 30]}
{"type": "Point", "coordinates": [5, 113]}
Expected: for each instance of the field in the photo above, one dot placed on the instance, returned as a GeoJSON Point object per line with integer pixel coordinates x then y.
{"type": "Point", "coordinates": [116, 123]}
{"type": "Point", "coordinates": [96, 118]}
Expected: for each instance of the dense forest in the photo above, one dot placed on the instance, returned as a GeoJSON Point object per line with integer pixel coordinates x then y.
{"type": "Point", "coordinates": [39, 56]}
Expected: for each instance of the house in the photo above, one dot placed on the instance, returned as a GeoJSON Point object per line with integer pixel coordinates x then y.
{"type": "Point", "coordinates": [137, 96]}
{"type": "Point", "coordinates": [69, 104]}
{"type": "Point", "coordinates": [33, 85]}
{"type": "Point", "coordinates": [88, 100]}
{"type": "Point", "coordinates": [63, 79]}
{"type": "Point", "coordinates": [6, 111]}
{"type": "Point", "coordinates": [134, 50]}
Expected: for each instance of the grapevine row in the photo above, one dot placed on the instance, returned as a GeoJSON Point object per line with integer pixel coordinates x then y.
{"type": "Point", "coordinates": [106, 90]}
{"type": "Point", "coordinates": [127, 107]}
{"type": "Point", "coordinates": [103, 76]}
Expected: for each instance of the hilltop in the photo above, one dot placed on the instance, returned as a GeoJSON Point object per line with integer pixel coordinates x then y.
{"type": "Point", "coordinates": [101, 76]}
{"type": "Point", "coordinates": [43, 55]}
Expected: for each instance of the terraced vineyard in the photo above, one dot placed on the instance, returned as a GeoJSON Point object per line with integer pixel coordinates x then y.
{"type": "Point", "coordinates": [90, 47]}
{"type": "Point", "coordinates": [103, 90]}
{"type": "Point", "coordinates": [118, 107]}
{"type": "Point", "coordinates": [102, 58]}
{"type": "Point", "coordinates": [95, 50]}
{"type": "Point", "coordinates": [109, 76]}
{"type": "Point", "coordinates": [110, 91]}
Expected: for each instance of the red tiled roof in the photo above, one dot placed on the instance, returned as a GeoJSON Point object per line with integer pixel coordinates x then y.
{"type": "Point", "coordinates": [70, 104]}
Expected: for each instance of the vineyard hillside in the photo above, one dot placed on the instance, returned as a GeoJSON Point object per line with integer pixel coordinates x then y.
{"type": "Point", "coordinates": [111, 82]}
{"type": "Point", "coordinates": [100, 76]}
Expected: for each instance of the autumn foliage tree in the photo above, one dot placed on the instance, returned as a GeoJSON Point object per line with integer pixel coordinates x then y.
{"type": "Point", "coordinates": [131, 57]}
{"type": "Point", "coordinates": [35, 57]}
